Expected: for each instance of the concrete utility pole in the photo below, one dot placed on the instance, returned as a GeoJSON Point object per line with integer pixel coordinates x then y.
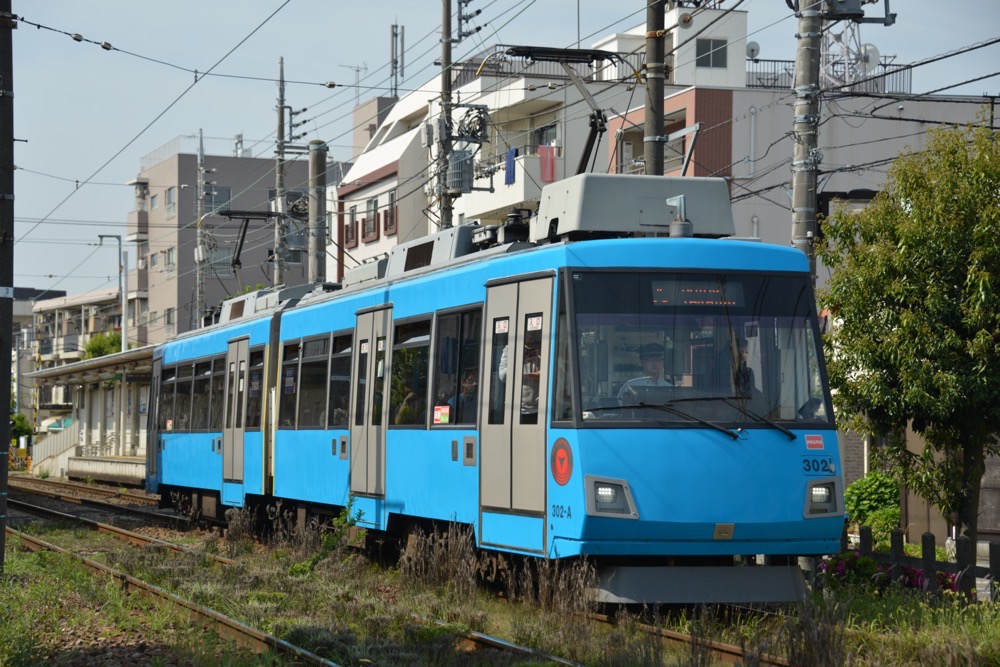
{"type": "Point", "coordinates": [444, 127]}
{"type": "Point", "coordinates": [805, 154]}
{"type": "Point", "coordinates": [317, 211]}
{"type": "Point", "coordinates": [122, 285]}
{"type": "Point", "coordinates": [280, 224]}
{"type": "Point", "coordinates": [652, 143]}
{"type": "Point", "coordinates": [7, 23]}
{"type": "Point", "coordinates": [199, 249]}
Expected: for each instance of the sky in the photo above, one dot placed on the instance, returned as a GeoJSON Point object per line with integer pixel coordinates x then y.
{"type": "Point", "coordinates": [85, 115]}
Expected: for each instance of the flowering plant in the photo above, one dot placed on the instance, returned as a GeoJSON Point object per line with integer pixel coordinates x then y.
{"type": "Point", "coordinates": [851, 568]}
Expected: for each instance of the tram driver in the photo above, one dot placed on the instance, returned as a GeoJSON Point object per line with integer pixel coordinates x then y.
{"type": "Point", "coordinates": [651, 359]}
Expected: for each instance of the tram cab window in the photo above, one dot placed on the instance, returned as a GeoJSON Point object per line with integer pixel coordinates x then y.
{"type": "Point", "coordinates": [288, 385]}
{"type": "Point", "coordinates": [340, 381]}
{"type": "Point", "coordinates": [313, 382]}
{"type": "Point", "coordinates": [727, 346]}
{"type": "Point", "coordinates": [200, 395]}
{"type": "Point", "coordinates": [255, 389]}
{"type": "Point", "coordinates": [456, 374]}
{"type": "Point", "coordinates": [218, 392]}
{"type": "Point", "coordinates": [408, 385]}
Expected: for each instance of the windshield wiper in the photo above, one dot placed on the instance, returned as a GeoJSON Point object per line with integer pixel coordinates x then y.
{"type": "Point", "coordinates": [732, 401]}
{"type": "Point", "coordinates": [666, 407]}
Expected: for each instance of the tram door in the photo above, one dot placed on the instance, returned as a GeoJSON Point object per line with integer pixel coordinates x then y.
{"type": "Point", "coordinates": [513, 409]}
{"type": "Point", "coordinates": [236, 401]}
{"type": "Point", "coordinates": [369, 399]}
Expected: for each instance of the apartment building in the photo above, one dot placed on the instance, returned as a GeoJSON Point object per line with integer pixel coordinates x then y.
{"type": "Point", "coordinates": [233, 175]}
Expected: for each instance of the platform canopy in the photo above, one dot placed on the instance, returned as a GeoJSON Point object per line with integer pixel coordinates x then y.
{"type": "Point", "coordinates": [131, 366]}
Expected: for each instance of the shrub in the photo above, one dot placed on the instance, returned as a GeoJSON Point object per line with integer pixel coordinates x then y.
{"type": "Point", "coordinates": [869, 494]}
{"type": "Point", "coordinates": [882, 522]}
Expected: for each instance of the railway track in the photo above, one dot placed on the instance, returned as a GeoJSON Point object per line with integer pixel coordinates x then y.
{"type": "Point", "coordinates": [72, 489]}
{"type": "Point", "coordinates": [225, 626]}
{"type": "Point", "coordinates": [77, 495]}
{"type": "Point", "coordinates": [119, 533]}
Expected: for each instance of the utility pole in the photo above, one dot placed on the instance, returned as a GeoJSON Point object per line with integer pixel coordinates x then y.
{"type": "Point", "coordinates": [444, 127]}
{"type": "Point", "coordinates": [805, 154]}
{"type": "Point", "coordinates": [122, 285]}
{"type": "Point", "coordinates": [317, 211]}
{"type": "Point", "coordinates": [199, 250]}
{"type": "Point", "coordinates": [397, 59]}
{"type": "Point", "coordinates": [280, 223]}
{"type": "Point", "coordinates": [7, 23]}
{"type": "Point", "coordinates": [653, 124]}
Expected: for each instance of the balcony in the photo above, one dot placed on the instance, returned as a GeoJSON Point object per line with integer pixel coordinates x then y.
{"type": "Point", "coordinates": [523, 193]}
{"type": "Point", "coordinates": [137, 229]}
{"type": "Point", "coordinates": [64, 348]}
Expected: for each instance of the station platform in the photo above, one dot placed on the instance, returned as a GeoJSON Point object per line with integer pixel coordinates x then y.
{"type": "Point", "coordinates": [128, 470]}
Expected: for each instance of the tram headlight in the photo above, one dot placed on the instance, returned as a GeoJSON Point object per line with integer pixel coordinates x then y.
{"type": "Point", "coordinates": [606, 493]}
{"type": "Point", "coordinates": [609, 497]}
{"type": "Point", "coordinates": [821, 498]}
{"type": "Point", "coordinates": [821, 494]}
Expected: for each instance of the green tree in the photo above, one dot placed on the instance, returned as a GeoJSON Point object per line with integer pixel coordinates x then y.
{"type": "Point", "coordinates": [21, 426]}
{"type": "Point", "coordinates": [915, 288]}
{"type": "Point", "coordinates": [102, 344]}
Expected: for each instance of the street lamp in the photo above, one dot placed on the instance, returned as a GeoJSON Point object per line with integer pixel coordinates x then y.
{"type": "Point", "coordinates": [122, 285]}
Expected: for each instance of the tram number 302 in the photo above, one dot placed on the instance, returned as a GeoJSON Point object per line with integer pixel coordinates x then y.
{"type": "Point", "coordinates": [562, 512]}
{"type": "Point", "coordinates": [817, 465]}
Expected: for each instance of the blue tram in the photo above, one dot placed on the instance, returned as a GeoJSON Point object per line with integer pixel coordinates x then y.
{"type": "Point", "coordinates": [613, 380]}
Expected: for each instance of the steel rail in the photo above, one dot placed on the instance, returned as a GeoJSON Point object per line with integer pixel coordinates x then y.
{"type": "Point", "coordinates": [100, 504]}
{"type": "Point", "coordinates": [224, 625]}
{"type": "Point", "coordinates": [728, 653]}
{"type": "Point", "coordinates": [119, 533]}
{"type": "Point", "coordinates": [96, 490]}
{"type": "Point", "coordinates": [496, 642]}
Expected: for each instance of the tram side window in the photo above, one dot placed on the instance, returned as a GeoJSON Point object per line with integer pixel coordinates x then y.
{"type": "Point", "coordinates": [312, 383]}
{"type": "Point", "coordinates": [408, 388]}
{"type": "Point", "coordinates": [255, 389]}
{"type": "Point", "coordinates": [200, 395]}
{"type": "Point", "coordinates": [218, 392]}
{"type": "Point", "coordinates": [182, 398]}
{"type": "Point", "coordinates": [165, 411]}
{"type": "Point", "coordinates": [288, 386]}
{"type": "Point", "coordinates": [340, 381]}
{"type": "Point", "coordinates": [456, 373]}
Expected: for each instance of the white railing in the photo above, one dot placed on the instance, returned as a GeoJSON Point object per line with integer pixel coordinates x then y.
{"type": "Point", "coordinates": [56, 443]}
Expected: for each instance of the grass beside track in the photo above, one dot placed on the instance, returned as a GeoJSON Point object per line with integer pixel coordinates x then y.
{"type": "Point", "coordinates": [308, 588]}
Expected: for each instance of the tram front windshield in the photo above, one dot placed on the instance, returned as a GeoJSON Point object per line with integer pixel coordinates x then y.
{"type": "Point", "coordinates": [681, 348]}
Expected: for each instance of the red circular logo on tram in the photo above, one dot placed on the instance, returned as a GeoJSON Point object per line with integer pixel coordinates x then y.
{"type": "Point", "coordinates": [562, 462]}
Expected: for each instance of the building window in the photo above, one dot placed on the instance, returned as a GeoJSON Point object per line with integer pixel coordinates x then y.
{"type": "Point", "coordinates": [170, 201]}
{"type": "Point", "coordinates": [351, 228]}
{"type": "Point", "coordinates": [369, 224]}
{"type": "Point", "coordinates": [221, 262]}
{"type": "Point", "coordinates": [168, 316]}
{"type": "Point", "coordinates": [546, 135]}
{"type": "Point", "coordinates": [710, 53]}
{"type": "Point", "coordinates": [154, 202]}
{"type": "Point", "coordinates": [169, 252]}
{"type": "Point", "coordinates": [390, 215]}
{"type": "Point", "coordinates": [153, 318]}
{"type": "Point", "coordinates": [217, 198]}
